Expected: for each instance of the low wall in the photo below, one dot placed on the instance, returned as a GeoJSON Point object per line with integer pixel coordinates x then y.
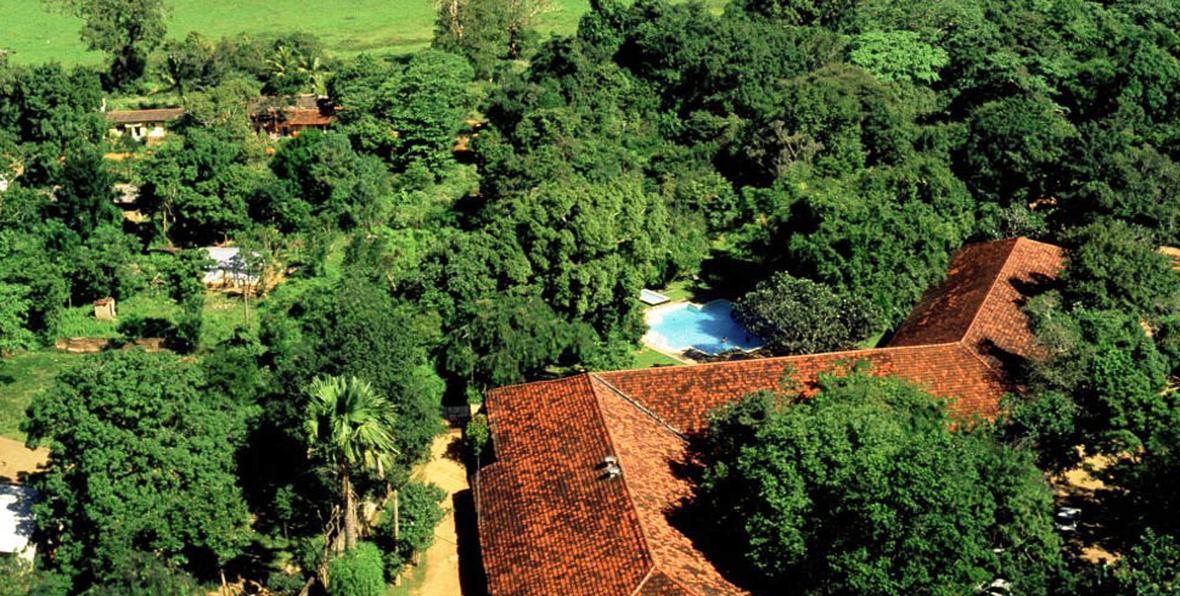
{"type": "Point", "coordinates": [92, 345]}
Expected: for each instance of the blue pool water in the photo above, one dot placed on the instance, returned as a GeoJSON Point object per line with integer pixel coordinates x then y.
{"type": "Point", "coordinates": [709, 328]}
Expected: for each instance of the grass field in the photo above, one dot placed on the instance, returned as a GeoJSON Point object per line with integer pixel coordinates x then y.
{"type": "Point", "coordinates": [34, 35]}
{"type": "Point", "coordinates": [23, 376]}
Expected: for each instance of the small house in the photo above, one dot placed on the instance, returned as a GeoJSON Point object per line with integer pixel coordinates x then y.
{"type": "Point", "coordinates": [104, 309]}
{"type": "Point", "coordinates": [147, 126]}
{"type": "Point", "coordinates": [288, 116]}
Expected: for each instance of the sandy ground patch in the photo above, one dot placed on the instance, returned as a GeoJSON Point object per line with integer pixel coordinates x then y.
{"type": "Point", "coordinates": [441, 561]}
{"type": "Point", "coordinates": [16, 460]}
{"type": "Point", "coordinates": [1079, 487]}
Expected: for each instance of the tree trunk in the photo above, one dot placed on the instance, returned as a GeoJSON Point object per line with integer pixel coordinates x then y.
{"type": "Point", "coordinates": [350, 521]}
{"type": "Point", "coordinates": [396, 517]}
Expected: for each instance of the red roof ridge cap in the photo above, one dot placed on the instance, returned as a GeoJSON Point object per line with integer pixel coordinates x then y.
{"type": "Point", "coordinates": [648, 553]}
{"type": "Point", "coordinates": [652, 572]}
{"type": "Point", "coordinates": [639, 406]}
{"type": "Point", "coordinates": [990, 288]}
{"type": "Point", "coordinates": [639, 586]}
{"type": "Point", "coordinates": [700, 365]}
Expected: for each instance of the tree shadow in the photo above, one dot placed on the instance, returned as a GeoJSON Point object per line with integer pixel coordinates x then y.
{"type": "Point", "coordinates": [697, 521]}
{"type": "Point", "coordinates": [472, 579]}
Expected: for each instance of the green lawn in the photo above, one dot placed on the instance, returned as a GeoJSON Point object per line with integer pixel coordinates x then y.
{"type": "Point", "coordinates": [34, 35]}
{"type": "Point", "coordinates": [23, 376]}
{"type": "Point", "coordinates": [647, 358]}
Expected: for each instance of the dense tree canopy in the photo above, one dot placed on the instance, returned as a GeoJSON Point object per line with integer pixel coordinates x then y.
{"type": "Point", "coordinates": [866, 488]}
{"type": "Point", "coordinates": [112, 424]}
{"type": "Point", "coordinates": [485, 211]}
{"type": "Point", "coordinates": [799, 316]}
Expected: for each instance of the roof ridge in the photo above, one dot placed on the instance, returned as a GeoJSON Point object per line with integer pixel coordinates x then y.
{"type": "Point", "coordinates": [995, 371]}
{"type": "Point", "coordinates": [699, 365]}
{"type": "Point", "coordinates": [639, 586]}
{"type": "Point", "coordinates": [990, 289]}
{"type": "Point", "coordinates": [538, 382]}
{"type": "Point", "coordinates": [639, 406]}
{"type": "Point", "coordinates": [648, 551]}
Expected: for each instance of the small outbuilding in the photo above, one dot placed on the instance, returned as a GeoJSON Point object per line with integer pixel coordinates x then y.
{"type": "Point", "coordinates": [148, 126]}
{"type": "Point", "coordinates": [104, 309]}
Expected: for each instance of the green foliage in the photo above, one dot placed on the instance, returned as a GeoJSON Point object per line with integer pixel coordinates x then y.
{"type": "Point", "coordinates": [51, 110]}
{"type": "Point", "coordinates": [198, 186]}
{"type": "Point", "coordinates": [507, 339]}
{"type": "Point", "coordinates": [1015, 149]}
{"type": "Point", "coordinates": [105, 266]}
{"type": "Point", "coordinates": [341, 187]}
{"type": "Point", "coordinates": [799, 316]}
{"type": "Point", "coordinates": [34, 276]}
{"type": "Point", "coordinates": [354, 328]}
{"type": "Point", "coordinates": [1151, 568]}
{"type": "Point", "coordinates": [84, 200]}
{"type": "Point", "coordinates": [800, 12]}
{"type": "Point", "coordinates": [14, 313]}
{"type": "Point", "coordinates": [885, 236]}
{"type": "Point", "coordinates": [488, 31]}
{"type": "Point", "coordinates": [405, 112]}
{"type": "Point", "coordinates": [112, 423]}
{"type": "Point", "coordinates": [1104, 380]}
{"type": "Point", "coordinates": [349, 424]}
{"type": "Point", "coordinates": [897, 56]}
{"type": "Point", "coordinates": [1114, 266]}
{"type": "Point", "coordinates": [190, 64]}
{"type": "Point", "coordinates": [357, 573]}
{"type": "Point", "coordinates": [865, 488]}
{"type": "Point", "coordinates": [349, 427]}
{"type": "Point", "coordinates": [418, 514]}
{"type": "Point", "coordinates": [477, 437]}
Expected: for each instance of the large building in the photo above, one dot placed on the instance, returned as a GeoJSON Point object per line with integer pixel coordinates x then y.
{"type": "Point", "coordinates": [585, 481]}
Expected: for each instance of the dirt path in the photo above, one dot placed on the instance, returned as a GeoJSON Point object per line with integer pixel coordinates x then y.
{"type": "Point", "coordinates": [16, 460]}
{"type": "Point", "coordinates": [441, 561]}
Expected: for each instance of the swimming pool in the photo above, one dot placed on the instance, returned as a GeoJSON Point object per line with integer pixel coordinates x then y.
{"type": "Point", "coordinates": [709, 328]}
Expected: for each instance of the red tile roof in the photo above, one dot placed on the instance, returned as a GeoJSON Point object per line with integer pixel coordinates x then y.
{"type": "Point", "coordinates": [552, 522]}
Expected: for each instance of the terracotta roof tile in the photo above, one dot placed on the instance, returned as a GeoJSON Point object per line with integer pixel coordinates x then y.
{"type": "Point", "coordinates": [550, 524]}
{"type": "Point", "coordinates": [649, 454]}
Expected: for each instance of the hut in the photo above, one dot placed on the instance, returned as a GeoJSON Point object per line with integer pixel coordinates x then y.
{"type": "Point", "coordinates": [104, 309]}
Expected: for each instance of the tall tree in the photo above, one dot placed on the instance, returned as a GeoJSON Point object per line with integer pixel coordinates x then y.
{"type": "Point", "coordinates": [799, 316]}
{"type": "Point", "coordinates": [349, 426]}
{"type": "Point", "coordinates": [126, 29]}
{"type": "Point", "coordinates": [142, 461]}
{"type": "Point", "coordinates": [487, 31]}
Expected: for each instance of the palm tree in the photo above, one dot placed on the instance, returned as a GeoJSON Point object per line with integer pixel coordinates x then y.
{"type": "Point", "coordinates": [350, 428]}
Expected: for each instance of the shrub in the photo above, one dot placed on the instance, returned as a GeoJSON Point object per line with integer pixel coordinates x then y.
{"type": "Point", "coordinates": [418, 515]}
{"type": "Point", "coordinates": [477, 438]}
{"type": "Point", "coordinates": [357, 573]}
